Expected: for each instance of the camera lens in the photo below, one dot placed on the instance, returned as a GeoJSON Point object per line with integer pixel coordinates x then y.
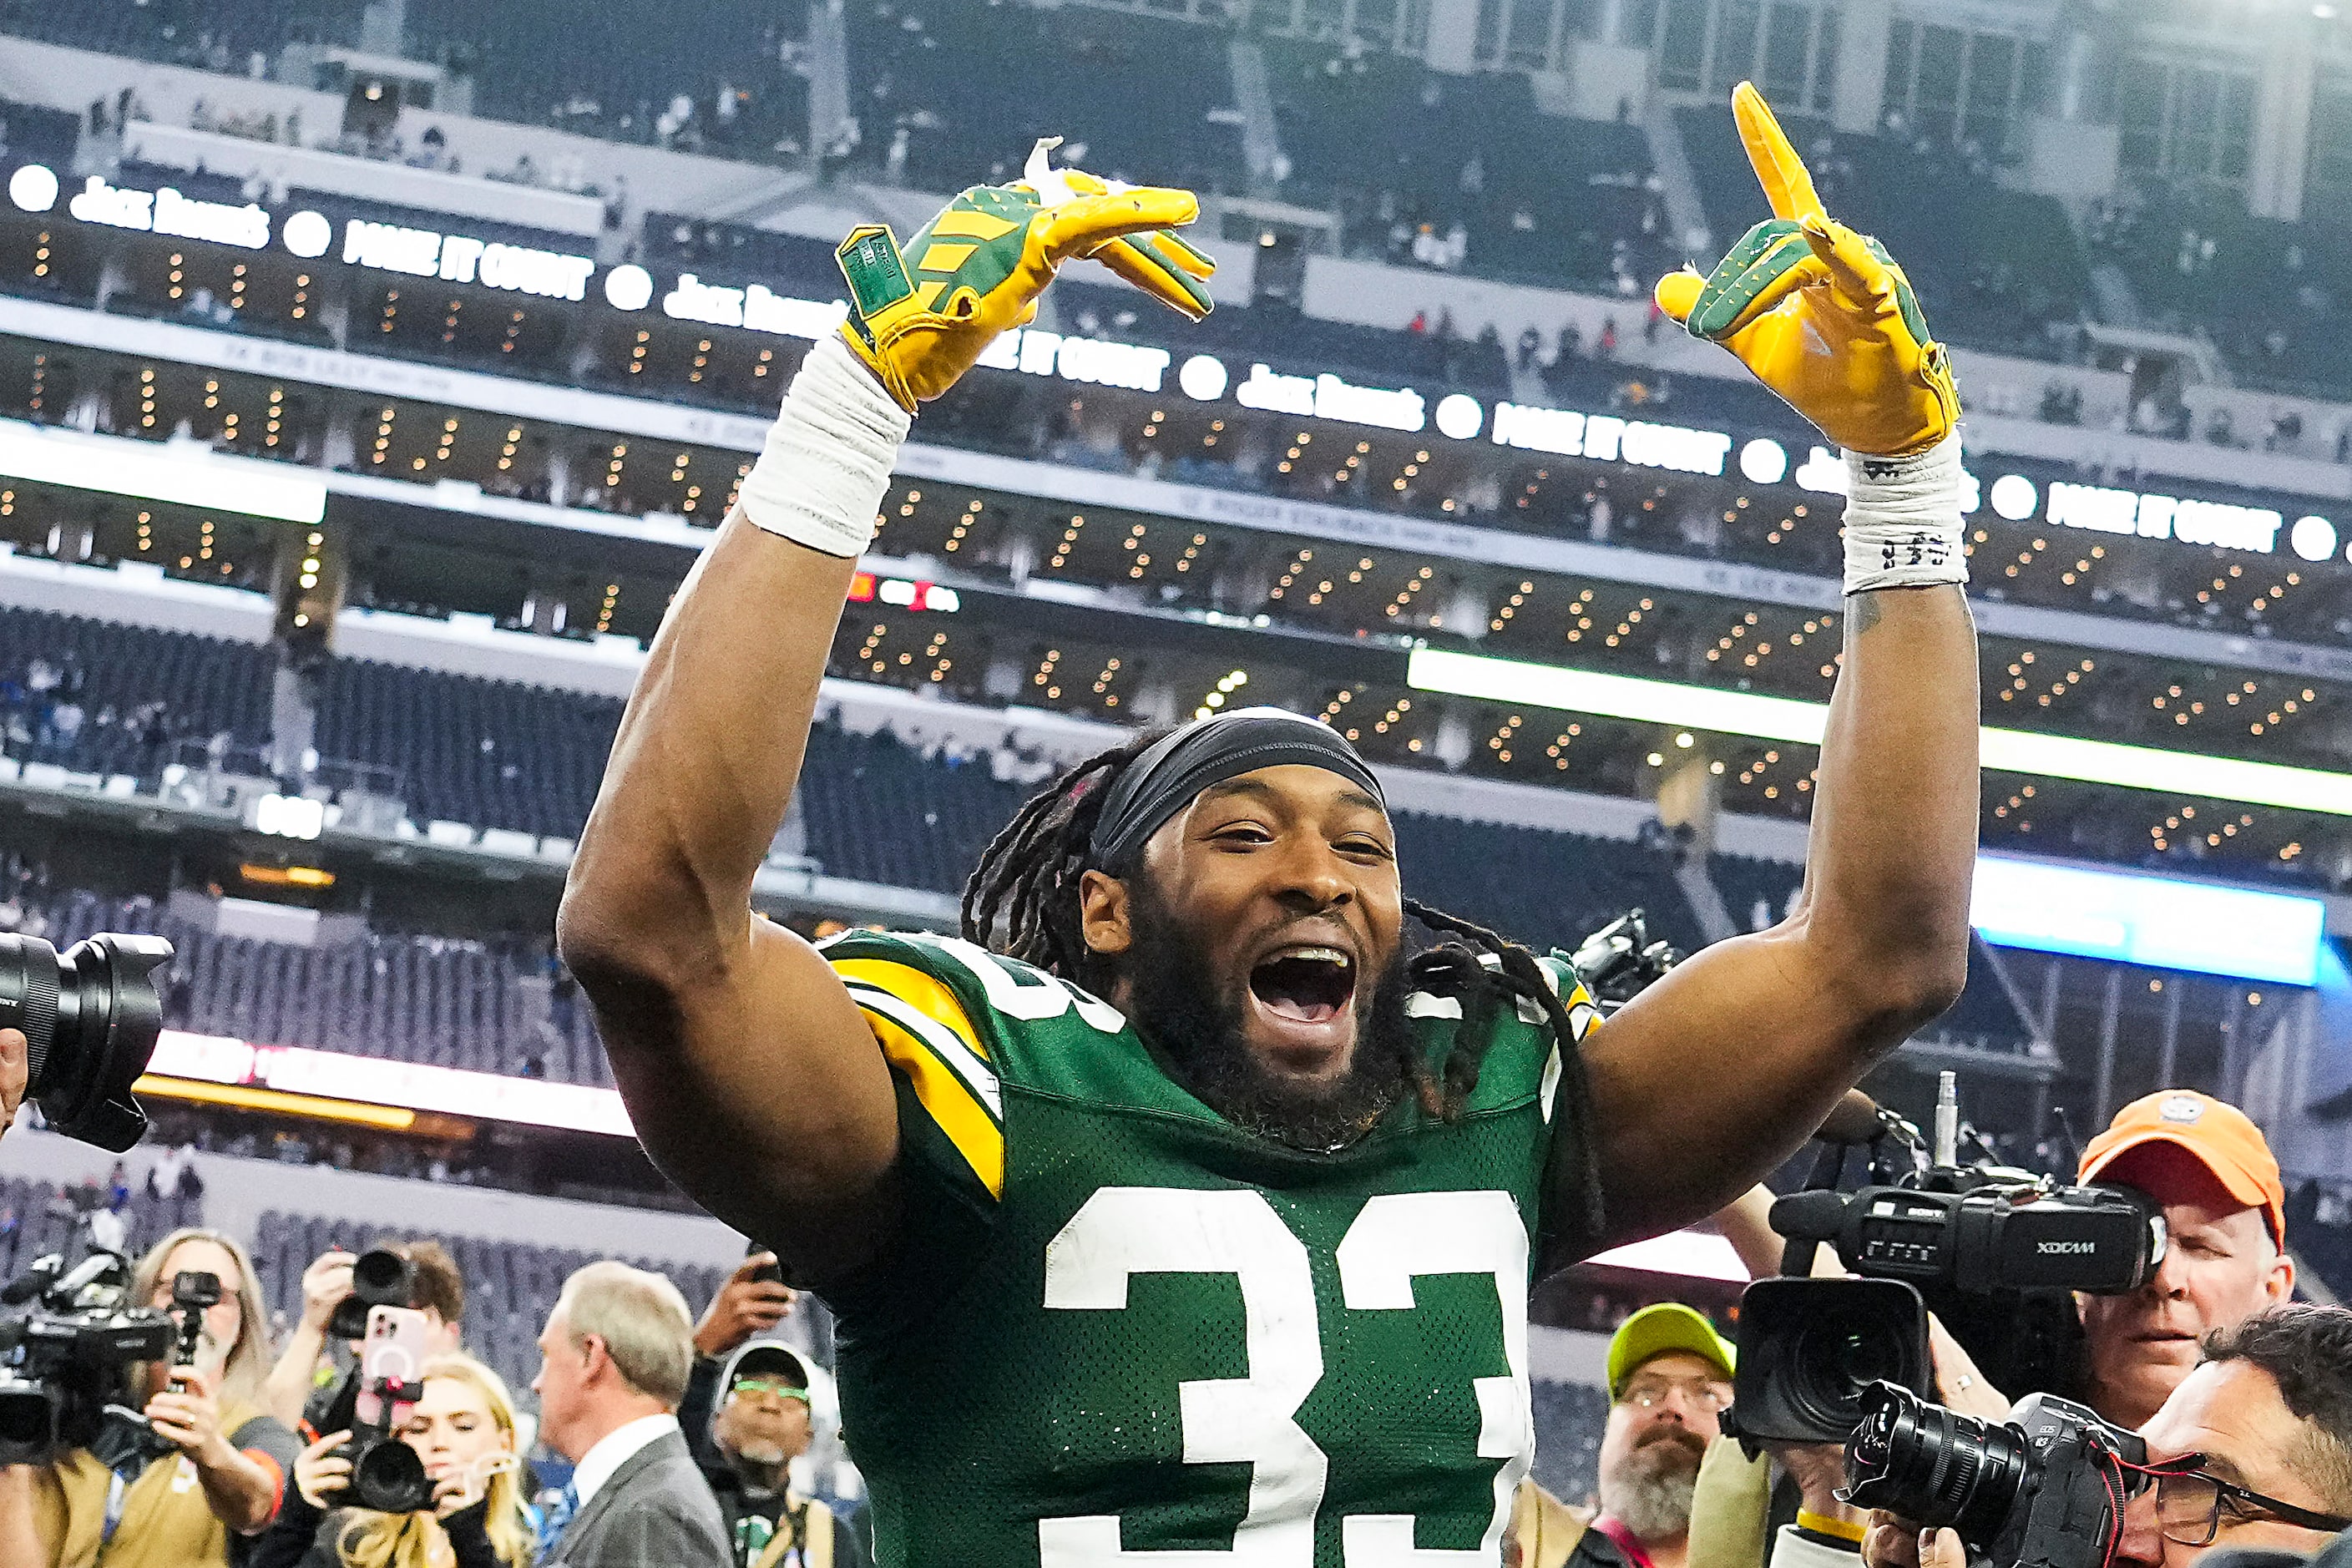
{"type": "Point", "coordinates": [1833, 1363]}
{"type": "Point", "coordinates": [390, 1478]}
{"type": "Point", "coordinates": [91, 1017]}
{"type": "Point", "coordinates": [1934, 1465]}
{"type": "Point", "coordinates": [27, 1421]}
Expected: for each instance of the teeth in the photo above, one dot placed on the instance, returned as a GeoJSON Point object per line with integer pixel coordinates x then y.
{"type": "Point", "coordinates": [1320, 955]}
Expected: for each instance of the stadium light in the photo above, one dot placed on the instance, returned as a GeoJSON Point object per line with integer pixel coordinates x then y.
{"type": "Point", "coordinates": [1786, 719]}
{"type": "Point", "coordinates": [219, 1064]}
{"type": "Point", "coordinates": [198, 477]}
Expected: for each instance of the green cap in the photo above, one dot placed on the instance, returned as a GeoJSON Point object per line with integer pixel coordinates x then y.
{"type": "Point", "coordinates": [1653, 1331]}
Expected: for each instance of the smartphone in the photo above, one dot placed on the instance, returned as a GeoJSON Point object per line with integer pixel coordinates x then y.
{"type": "Point", "coordinates": [768, 1274]}
{"type": "Point", "coordinates": [392, 1359]}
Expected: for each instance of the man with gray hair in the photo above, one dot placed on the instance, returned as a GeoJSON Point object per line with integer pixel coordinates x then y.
{"type": "Point", "coordinates": [615, 1356]}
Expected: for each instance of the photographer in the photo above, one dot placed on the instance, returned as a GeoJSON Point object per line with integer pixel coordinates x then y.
{"type": "Point", "coordinates": [463, 1428]}
{"type": "Point", "coordinates": [2209, 1167]}
{"type": "Point", "coordinates": [224, 1469]}
{"type": "Point", "coordinates": [302, 1384]}
{"type": "Point", "coordinates": [2269, 1409]}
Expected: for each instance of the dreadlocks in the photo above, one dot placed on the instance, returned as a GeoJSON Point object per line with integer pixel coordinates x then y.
{"type": "Point", "coordinates": [1023, 901]}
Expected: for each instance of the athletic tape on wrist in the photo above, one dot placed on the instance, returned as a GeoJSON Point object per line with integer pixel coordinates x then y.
{"type": "Point", "coordinates": [822, 475]}
{"type": "Point", "coordinates": [1902, 525]}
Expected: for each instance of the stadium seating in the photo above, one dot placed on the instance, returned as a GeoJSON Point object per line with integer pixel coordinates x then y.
{"type": "Point", "coordinates": [509, 1287]}
{"type": "Point", "coordinates": [974, 85]}
{"type": "Point", "coordinates": [2275, 296]}
{"type": "Point", "coordinates": [1541, 198]}
{"type": "Point", "coordinates": [1561, 887]}
{"type": "Point", "coordinates": [95, 696]}
{"type": "Point", "coordinates": [39, 1218]}
{"type": "Point", "coordinates": [487, 752]}
{"type": "Point", "coordinates": [1995, 267]}
{"type": "Point", "coordinates": [538, 56]}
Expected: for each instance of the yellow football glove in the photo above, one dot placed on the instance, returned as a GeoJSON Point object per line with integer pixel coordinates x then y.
{"type": "Point", "coordinates": [1819, 314]}
{"type": "Point", "coordinates": [979, 266]}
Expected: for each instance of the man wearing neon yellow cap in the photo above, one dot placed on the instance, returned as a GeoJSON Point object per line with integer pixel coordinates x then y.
{"type": "Point", "coordinates": [1669, 1384]}
{"type": "Point", "coordinates": [2207, 1164]}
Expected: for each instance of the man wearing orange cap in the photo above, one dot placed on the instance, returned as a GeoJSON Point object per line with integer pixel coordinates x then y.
{"type": "Point", "coordinates": [2208, 1166]}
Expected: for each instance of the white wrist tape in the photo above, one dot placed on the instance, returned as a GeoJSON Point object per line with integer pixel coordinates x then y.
{"type": "Point", "coordinates": [1902, 525]}
{"type": "Point", "coordinates": [821, 477]}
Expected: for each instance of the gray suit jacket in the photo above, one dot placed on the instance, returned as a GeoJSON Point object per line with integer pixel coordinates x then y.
{"type": "Point", "coordinates": [656, 1512]}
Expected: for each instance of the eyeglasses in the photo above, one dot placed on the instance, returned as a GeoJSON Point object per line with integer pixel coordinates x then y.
{"type": "Point", "coordinates": [1648, 1393]}
{"type": "Point", "coordinates": [2189, 1505]}
{"type": "Point", "coordinates": [755, 1386]}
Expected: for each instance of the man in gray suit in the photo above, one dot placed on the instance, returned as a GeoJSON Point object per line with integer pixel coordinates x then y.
{"type": "Point", "coordinates": [615, 1354]}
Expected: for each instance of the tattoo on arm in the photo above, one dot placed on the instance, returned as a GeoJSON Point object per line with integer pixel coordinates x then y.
{"type": "Point", "coordinates": [1865, 614]}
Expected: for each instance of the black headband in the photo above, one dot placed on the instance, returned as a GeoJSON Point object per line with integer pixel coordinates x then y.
{"type": "Point", "coordinates": [1166, 777]}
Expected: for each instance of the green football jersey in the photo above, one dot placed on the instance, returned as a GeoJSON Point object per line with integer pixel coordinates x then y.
{"type": "Point", "coordinates": [1115, 1329]}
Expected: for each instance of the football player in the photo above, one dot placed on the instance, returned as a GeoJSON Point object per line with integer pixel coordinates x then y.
{"type": "Point", "coordinates": [1172, 1213]}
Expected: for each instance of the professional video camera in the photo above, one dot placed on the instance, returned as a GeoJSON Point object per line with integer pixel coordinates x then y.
{"type": "Point", "coordinates": [1994, 1251]}
{"type": "Point", "coordinates": [66, 1358]}
{"type": "Point", "coordinates": [1619, 962]}
{"type": "Point", "coordinates": [374, 1400]}
{"type": "Point", "coordinates": [2044, 1490]}
{"type": "Point", "coordinates": [91, 1016]}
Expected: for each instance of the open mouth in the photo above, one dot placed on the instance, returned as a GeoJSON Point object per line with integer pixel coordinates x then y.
{"type": "Point", "coordinates": [1305, 984]}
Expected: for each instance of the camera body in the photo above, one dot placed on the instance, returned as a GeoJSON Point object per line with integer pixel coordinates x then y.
{"type": "Point", "coordinates": [1981, 1232]}
{"type": "Point", "coordinates": [2043, 1490]}
{"type": "Point", "coordinates": [380, 1278]}
{"type": "Point", "coordinates": [194, 1292]}
{"type": "Point", "coordinates": [66, 1357]}
{"type": "Point", "coordinates": [1996, 1253]}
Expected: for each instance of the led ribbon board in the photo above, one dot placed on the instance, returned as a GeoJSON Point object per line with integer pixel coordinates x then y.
{"type": "Point", "coordinates": [298, 1070]}
{"type": "Point", "coordinates": [186, 476]}
{"type": "Point", "coordinates": [2151, 921]}
{"type": "Point", "coordinates": [1786, 719]}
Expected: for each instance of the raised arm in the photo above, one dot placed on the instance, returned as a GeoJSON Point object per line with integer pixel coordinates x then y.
{"type": "Point", "coordinates": [1716, 1073]}
{"type": "Point", "coordinates": [749, 1073]}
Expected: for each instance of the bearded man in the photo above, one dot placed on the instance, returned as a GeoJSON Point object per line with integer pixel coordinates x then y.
{"type": "Point", "coordinates": [1177, 1213]}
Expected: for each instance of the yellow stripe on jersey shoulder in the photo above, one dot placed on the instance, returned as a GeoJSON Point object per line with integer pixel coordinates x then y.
{"type": "Point", "coordinates": [952, 1104]}
{"type": "Point", "coordinates": [926, 994]}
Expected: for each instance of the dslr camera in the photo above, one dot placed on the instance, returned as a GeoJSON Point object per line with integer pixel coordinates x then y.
{"type": "Point", "coordinates": [68, 1339]}
{"type": "Point", "coordinates": [2043, 1490]}
{"type": "Point", "coordinates": [1994, 1251]}
{"type": "Point", "coordinates": [380, 1278]}
{"type": "Point", "coordinates": [90, 1016]}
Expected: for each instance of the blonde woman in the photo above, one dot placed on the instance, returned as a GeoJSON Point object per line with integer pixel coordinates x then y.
{"type": "Point", "coordinates": [463, 1428]}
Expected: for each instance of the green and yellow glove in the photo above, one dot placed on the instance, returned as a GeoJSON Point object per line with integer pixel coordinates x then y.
{"type": "Point", "coordinates": [979, 266]}
{"type": "Point", "coordinates": [1822, 315]}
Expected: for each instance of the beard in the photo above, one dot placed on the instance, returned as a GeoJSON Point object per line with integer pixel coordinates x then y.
{"type": "Point", "coordinates": [1649, 1492]}
{"type": "Point", "coordinates": [1178, 1009]}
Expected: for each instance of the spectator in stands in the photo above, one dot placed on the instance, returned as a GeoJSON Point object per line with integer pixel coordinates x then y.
{"type": "Point", "coordinates": [748, 1416]}
{"type": "Point", "coordinates": [304, 1382]}
{"type": "Point", "coordinates": [463, 1428]}
{"type": "Point", "coordinates": [617, 1351]}
{"type": "Point", "coordinates": [2269, 1408]}
{"type": "Point", "coordinates": [228, 1472]}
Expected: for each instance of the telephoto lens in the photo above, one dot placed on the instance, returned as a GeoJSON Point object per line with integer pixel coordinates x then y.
{"type": "Point", "coordinates": [91, 1016]}
{"type": "Point", "coordinates": [1932, 1466]}
{"type": "Point", "coordinates": [380, 1278]}
{"type": "Point", "coordinates": [389, 1476]}
{"type": "Point", "coordinates": [2042, 1490]}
